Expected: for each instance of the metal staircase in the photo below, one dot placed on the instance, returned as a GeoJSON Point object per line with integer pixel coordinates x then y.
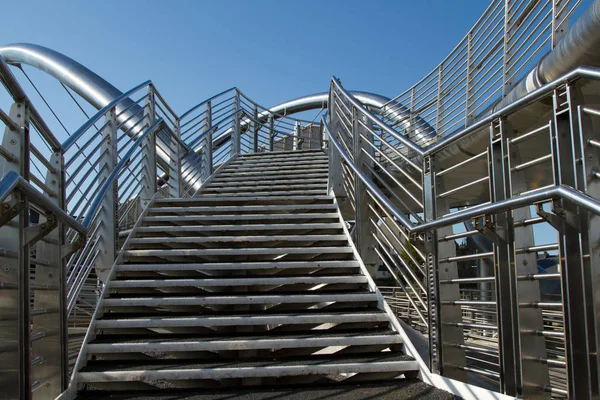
{"type": "Point", "coordinates": [228, 251]}
{"type": "Point", "coordinates": [253, 282]}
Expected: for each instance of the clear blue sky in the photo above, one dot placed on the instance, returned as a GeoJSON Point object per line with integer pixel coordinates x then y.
{"type": "Point", "coordinates": [273, 50]}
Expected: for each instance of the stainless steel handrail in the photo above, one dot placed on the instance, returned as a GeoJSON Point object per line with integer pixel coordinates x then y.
{"type": "Point", "coordinates": [13, 181]}
{"type": "Point", "coordinates": [96, 117]}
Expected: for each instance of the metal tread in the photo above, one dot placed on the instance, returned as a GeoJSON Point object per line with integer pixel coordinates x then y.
{"type": "Point", "coordinates": [242, 265]}
{"type": "Point", "coordinates": [272, 193]}
{"type": "Point", "coordinates": [243, 208]}
{"type": "Point", "coordinates": [279, 171]}
{"type": "Point", "coordinates": [248, 182]}
{"type": "Point", "coordinates": [396, 389]}
{"type": "Point", "coordinates": [216, 282]}
{"type": "Point", "coordinates": [239, 239]}
{"type": "Point", "coordinates": [237, 251]}
{"type": "Point", "coordinates": [253, 227]}
{"type": "Point", "coordinates": [213, 198]}
{"type": "Point", "coordinates": [219, 179]}
{"type": "Point", "coordinates": [283, 161]}
{"type": "Point", "coordinates": [283, 153]}
{"type": "Point", "coordinates": [309, 188]}
{"type": "Point", "coordinates": [229, 344]}
{"type": "Point", "coordinates": [243, 320]}
{"type": "Point", "coordinates": [381, 362]}
{"type": "Point", "coordinates": [220, 217]}
{"type": "Point", "coordinates": [239, 299]}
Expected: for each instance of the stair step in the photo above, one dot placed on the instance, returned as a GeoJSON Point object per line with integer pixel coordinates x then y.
{"type": "Point", "coordinates": [274, 171]}
{"type": "Point", "coordinates": [248, 208]}
{"type": "Point", "coordinates": [267, 193]}
{"type": "Point", "coordinates": [285, 153]}
{"type": "Point", "coordinates": [220, 199]}
{"type": "Point", "coordinates": [266, 178]}
{"type": "Point", "coordinates": [299, 163]}
{"type": "Point", "coordinates": [240, 228]}
{"type": "Point", "coordinates": [238, 217]}
{"type": "Point", "coordinates": [251, 343]}
{"type": "Point", "coordinates": [245, 320]}
{"type": "Point", "coordinates": [239, 300]}
{"type": "Point", "coordinates": [267, 183]}
{"type": "Point", "coordinates": [236, 251]}
{"type": "Point", "coordinates": [292, 161]}
{"type": "Point", "coordinates": [321, 188]}
{"type": "Point", "coordinates": [218, 282]}
{"type": "Point", "coordinates": [129, 372]}
{"type": "Point", "coordinates": [239, 266]}
{"type": "Point", "coordinates": [239, 239]}
{"type": "Point", "coordinates": [395, 389]}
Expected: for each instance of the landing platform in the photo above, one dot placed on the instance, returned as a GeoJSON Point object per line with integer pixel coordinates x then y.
{"type": "Point", "coordinates": [403, 389]}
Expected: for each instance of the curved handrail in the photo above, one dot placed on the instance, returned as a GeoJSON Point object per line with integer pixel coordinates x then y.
{"type": "Point", "coordinates": [111, 178]}
{"type": "Point", "coordinates": [182, 116]}
{"type": "Point", "coordinates": [407, 142]}
{"type": "Point", "coordinates": [90, 122]}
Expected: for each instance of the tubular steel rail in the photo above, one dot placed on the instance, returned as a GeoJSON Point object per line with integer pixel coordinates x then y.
{"type": "Point", "coordinates": [486, 312]}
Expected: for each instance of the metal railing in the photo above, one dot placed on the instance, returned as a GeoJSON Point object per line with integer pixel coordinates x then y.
{"type": "Point", "coordinates": [462, 233]}
{"type": "Point", "coordinates": [499, 50]}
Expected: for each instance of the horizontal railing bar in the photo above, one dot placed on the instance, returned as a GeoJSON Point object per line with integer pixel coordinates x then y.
{"type": "Point", "coordinates": [12, 125]}
{"type": "Point", "coordinates": [532, 163]}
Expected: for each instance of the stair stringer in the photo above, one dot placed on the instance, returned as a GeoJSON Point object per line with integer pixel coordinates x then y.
{"type": "Point", "coordinates": [462, 389]}
{"type": "Point", "coordinates": [71, 391]}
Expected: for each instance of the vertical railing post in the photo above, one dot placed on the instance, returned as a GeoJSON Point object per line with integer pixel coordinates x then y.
{"type": "Point", "coordinates": [469, 85]}
{"type": "Point", "coordinates": [578, 241]}
{"type": "Point", "coordinates": [439, 109]}
{"type": "Point", "coordinates": [559, 25]}
{"type": "Point", "coordinates": [15, 367]}
{"type": "Point", "coordinates": [207, 153]}
{"type": "Point", "coordinates": [235, 133]}
{"type": "Point", "coordinates": [335, 182]}
{"type": "Point", "coordinates": [175, 163]}
{"type": "Point", "coordinates": [107, 213]}
{"type": "Point", "coordinates": [297, 145]}
{"type": "Point", "coordinates": [148, 177]}
{"type": "Point", "coordinates": [271, 132]}
{"type": "Point", "coordinates": [507, 82]}
{"type": "Point", "coordinates": [363, 239]}
{"type": "Point", "coordinates": [447, 357]}
{"type": "Point", "coordinates": [586, 138]}
{"type": "Point", "coordinates": [255, 129]}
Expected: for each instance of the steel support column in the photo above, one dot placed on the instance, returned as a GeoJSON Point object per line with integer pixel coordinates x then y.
{"type": "Point", "coordinates": [148, 176]}
{"type": "Point", "coordinates": [520, 348]}
{"type": "Point", "coordinates": [446, 356]}
{"type": "Point", "coordinates": [53, 348]}
{"type": "Point", "coordinates": [580, 303]}
{"type": "Point", "coordinates": [15, 320]}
